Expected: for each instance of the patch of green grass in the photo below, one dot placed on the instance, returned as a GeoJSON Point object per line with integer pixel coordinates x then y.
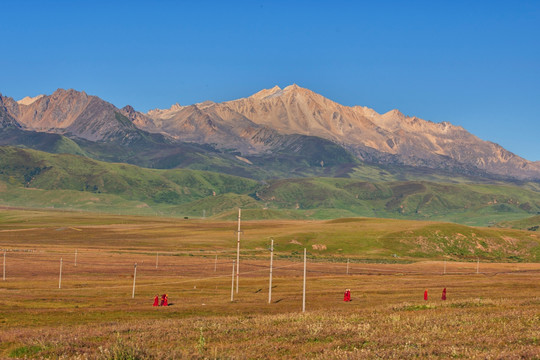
{"type": "Point", "coordinates": [25, 351]}
{"type": "Point", "coordinates": [530, 223]}
{"type": "Point", "coordinates": [416, 307]}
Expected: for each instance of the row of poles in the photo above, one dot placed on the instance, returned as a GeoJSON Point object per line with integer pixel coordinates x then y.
{"type": "Point", "coordinates": [235, 268]}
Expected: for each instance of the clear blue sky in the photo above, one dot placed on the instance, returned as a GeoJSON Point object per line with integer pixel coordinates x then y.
{"type": "Point", "coordinates": [472, 63]}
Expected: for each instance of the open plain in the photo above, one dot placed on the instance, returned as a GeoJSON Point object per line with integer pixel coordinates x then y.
{"type": "Point", "coordinates": [492, 309]}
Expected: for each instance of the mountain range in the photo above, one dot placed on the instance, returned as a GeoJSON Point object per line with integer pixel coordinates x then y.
{"type": "Point", "coordinates": [272, 133]}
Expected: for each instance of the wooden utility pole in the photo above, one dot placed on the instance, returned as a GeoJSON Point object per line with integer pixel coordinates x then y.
{"type": "Point", "coordinates": [304, 291]}
{"type": "Point", "coordinates": [477, 265]}
{"type": "Point", "coordinates": [271, 265]}
{"type": "Point", "coordinates": [134, 279]}
{"type": "Point", "coordinates": [4, 275]}
{"type": "Point", "coordinates": [215, 264]}
{"type": "Point", "coordinates": [232, 282]}
{"type": "Point", "coordinates": [157, 259]}
{"type": "Point", "coordinates": [238, 251]}
{"type": "Point", "coordinates": [60, 277]}
{"type": "Point", "coordinates": [75, 257]}
{"type": "Point", "coordinates": [444, 266]}
{"type": "Point", "coordinates": [347, 266]}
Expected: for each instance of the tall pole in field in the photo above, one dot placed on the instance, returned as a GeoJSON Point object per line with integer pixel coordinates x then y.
{"type": "Point", "coordinates": [157, 258]}
{"type": "Point", "coordinates": [75, 257]}
{"type": "Point", "coordinates": [215, 264]}
{"type": "Point", "coordinates": [271, 265]}
{"type": "Point", "coordinates": [304, 291]}
{"type": "Point", "coordinates": [444, 266]}
{"type": "Point", "coordinates": [347, 266]}
{"type": "Point", "coordinates": [134, 278]}
{"type": "Point", "coordinates": [60, 277]}
{"type": "Point", "coordinates": [4, 275]}
{"type": "Point", "coordinates": [232, 282]}
{"type": "Point", "coordinates": [238, 251]}
{"type": "Point", "coordinates": [477, 265]}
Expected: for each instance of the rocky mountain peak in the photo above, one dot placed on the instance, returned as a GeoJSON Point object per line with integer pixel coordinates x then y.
{"type": "Point", "coordinates": [293, 87]}
{"type": "Point", "coordinates": [175, 107]}
{"type": "Point", "coordinates": [205, 104]}
{"type": "Point", "coordinates": [264, 93]}
{"type": "Point", "coordinates": [6, 119]}
{"type": "Point", "coordinates": [128, 109]}
{"type": "Point", "coordinates": [68, 93]}
{"type": "Point", "coordinates": [394, 114]}
{"type": "Point", "coordinates": [165, 112]}
{"type": "Point", "coordinates": [27, 100]}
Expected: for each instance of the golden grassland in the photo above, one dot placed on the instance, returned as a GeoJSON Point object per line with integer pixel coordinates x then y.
{"type": "Point", "coordinates": [494, 313]}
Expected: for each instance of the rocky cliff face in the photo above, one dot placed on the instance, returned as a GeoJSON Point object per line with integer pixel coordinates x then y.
{"type": "Point", "coordinates": [6, 119]}
{"type": "Point", "coordinates": [211, 123]}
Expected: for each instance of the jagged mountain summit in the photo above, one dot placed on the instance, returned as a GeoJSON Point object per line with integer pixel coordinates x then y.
{"type": "Point", "coordinates": [292, 120]}
{"type": "Point", "coordinates": [391, 138]}
{"type": "Point", "coordinates": [73, 113]}
{"type": "Point", "coordinates": [27, 100]}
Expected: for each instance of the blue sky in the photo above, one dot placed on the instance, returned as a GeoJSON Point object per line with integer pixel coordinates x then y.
{"type": "Point", "coordinates": [474, 64]}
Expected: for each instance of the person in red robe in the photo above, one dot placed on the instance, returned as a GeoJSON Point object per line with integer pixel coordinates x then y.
{"type": "Point", "coordinates": [443, 297]}
{"type": "Point", "coordinates": [164, 300]}
{"type": "Point", "coordinates": [425, 295]}
{"type": "Point", "coordinates": [156, 301]}
{"type": "Point", "coordinates": [347, 295]}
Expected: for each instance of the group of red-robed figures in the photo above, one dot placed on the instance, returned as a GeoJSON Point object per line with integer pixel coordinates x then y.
{"type": "Point", "coordinates": [347, 295]}
{"type": "Point", "coordinates": [443, 296]}
{"type": "Point", "coordinates": [164, 300]}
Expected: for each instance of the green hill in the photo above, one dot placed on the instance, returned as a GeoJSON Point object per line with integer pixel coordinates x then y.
{"type": "Point", "coordinates": [51, 143]}
{"type": "Point", "coordinates": [36, 179]}
{"type": "Point", "coordinates": [530, 223]}
{"type": "Point", "coordinates": [462, 203]}
{"type": "Point", "coordinates": [33, 178]}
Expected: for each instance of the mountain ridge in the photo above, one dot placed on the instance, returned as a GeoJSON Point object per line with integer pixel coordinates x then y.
{"type": "Point", "coordinates": [389, 138]}
{"type": "Point", "coordinates": [261, 123]}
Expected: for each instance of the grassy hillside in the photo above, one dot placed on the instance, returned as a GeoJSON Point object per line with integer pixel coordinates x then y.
{"type": "Point", "coordinates": [293, 156]}
{"type": "Point", "coordinates": [463, 203]}
{"type": "Point", "coordinates": [36, 179]}
{"type": "Point", "coordinates": [51, 143]}
{"type": "Point", "coordinates": [359, 239]}
{"type": "Point", "coordinates": [530, 224]}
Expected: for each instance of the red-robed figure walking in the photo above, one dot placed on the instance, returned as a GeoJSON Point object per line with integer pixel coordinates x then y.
{"type": "Point", "coordinates": [164, 300]}
{"type": "Point", "coordinates": [443, 297]}
{"type": "Point", "coordinates": [425, 295]}
{"type": "Point", "coordinates": [347, 295]}
{"type": "Point", "coordinates": [156, 301]}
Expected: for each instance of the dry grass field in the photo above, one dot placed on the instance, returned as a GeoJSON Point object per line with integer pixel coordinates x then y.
{"type": "Point", "coordinates": [494, 313]}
